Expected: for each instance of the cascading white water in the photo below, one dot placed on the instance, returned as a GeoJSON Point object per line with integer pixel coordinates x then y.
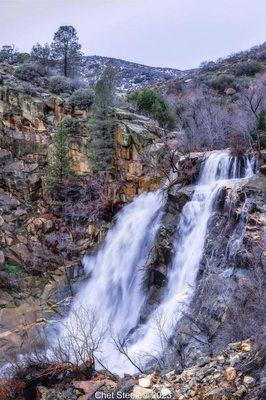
{"type": "Point", "coordinates": [117, 273]}
{"type": "Point", "coordinates": [189, 246]}
{"type": "Point", "coordinates": [114, 289]}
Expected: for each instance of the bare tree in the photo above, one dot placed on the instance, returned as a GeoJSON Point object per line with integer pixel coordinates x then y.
{"type": "Point", "coordinates": [81, 338]}
{"type": "Point", "coordinates": [73, 353]}
{"type": "Point", "coordinates": [253, 101]}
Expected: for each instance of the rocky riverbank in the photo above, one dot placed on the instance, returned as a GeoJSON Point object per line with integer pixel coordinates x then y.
{"type": "Point", "coordinates": [226, 376]}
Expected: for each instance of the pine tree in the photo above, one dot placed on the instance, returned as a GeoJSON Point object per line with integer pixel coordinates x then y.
{"type": "Point", "coordinates": [59, 168]}
{"type": "Point", "coordinates": [41, 54]}
{"type": "Point", "coordinates": [66, 50]}
{"type": "Point", "coordinates": [101, 125]}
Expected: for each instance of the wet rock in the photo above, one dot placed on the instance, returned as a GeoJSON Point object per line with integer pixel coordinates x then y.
{"type": "Point", "coordinates": [263, 169]}
{"type": "Point", "coordinates": [157, 278]}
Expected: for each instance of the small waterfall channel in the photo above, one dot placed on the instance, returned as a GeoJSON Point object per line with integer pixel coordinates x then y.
{"type": "Point", "coordinates": [114, 289]}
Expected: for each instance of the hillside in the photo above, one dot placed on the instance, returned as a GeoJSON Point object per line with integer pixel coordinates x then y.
{"type": "Point", "coordinates": [129, 76]}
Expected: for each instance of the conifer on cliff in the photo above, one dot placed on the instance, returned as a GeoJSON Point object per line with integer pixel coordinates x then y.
{"type": "Point", "coordinates": [101, 125]}
{"type": "Point", "coordinates": [59, 168]}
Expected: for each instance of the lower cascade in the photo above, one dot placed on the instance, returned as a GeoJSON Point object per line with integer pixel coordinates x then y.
{"type": "Point", "coordinates": [108, 306]}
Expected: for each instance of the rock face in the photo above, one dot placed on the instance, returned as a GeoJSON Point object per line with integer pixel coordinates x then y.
{"type": "Point", "coordinates": [136, 135]}
{"type": "Point", "coordinates": [28, 122]}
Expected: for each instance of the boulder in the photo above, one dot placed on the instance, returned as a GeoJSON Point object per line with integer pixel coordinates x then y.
{"type": "Point", "coordinates": [230, 91]}
{"type": "Point", "coordinates": [8, 202]}
{"type": "Point", "coordinates": [142, 393]}
{"type": "Point", "coordinates": [230, 374]}
{"type": "Point", "coordinates": [165, 393]}
{"type": "Point", "coordinates": [5, 155]}
{"type": "Point", "coordinates": [19, 253]}
{"type": "Point", "coordinates": [2, 258]}
{"type": "Point", "coordinates": [146, 381]}
{"type": "Point", "coordinates": [248, 381]}
{"type": "Point", "coordinates": [139, 134]}
{"type": "Point", "coordinates": [89, 387]}
{"type": "Point", "coordinates": [263, 169]}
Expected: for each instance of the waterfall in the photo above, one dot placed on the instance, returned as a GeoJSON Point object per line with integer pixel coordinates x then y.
{"type": "Point", "coordinates": [114, 291]}
{"type": "Point", "coordinates": [116, 274]}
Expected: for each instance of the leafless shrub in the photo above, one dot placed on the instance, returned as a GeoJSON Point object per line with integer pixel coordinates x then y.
{"type": "Point", "coordinates": [253, 101]}
{"type": "Point", "coordinates": [171, 350]}
{"type": "Point", "coordinates": [72, 355]}
{"type": "Point", "coordinates": [121, 346]}
{"type": "Point", "coordinates": [245, 315]}
{"type": "Point", "coordinates": [82, 336]}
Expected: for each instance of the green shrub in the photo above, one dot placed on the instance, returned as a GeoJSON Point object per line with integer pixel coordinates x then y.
{"type": "Point", "coordinates": [249, 68]}
{"type": "Point", "coordinates": [154, 105]}
{"type": "Point", "coordinates": [82, 98]}
{"type": "Point", "coordinates": [207, 66]}
{"type": "Point", "coordinates": [26, 72]}
{"type": "Point", "coordinates": [139, 79]}
{"type": "Point", "coordinates": [222, 82]}
{"type": "Point", "coordinates": [59, 85]}
{"type": "Point", "coordinates": [13, 269]}
{"type": "Point", "coordinates": [261, 56]}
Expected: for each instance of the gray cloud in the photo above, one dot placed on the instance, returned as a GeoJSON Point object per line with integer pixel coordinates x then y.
{"type": "Point", "coordinates": [174, 33]}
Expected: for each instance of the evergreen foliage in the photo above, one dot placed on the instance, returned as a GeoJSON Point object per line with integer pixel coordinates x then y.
{"type": "Point", "coordinates": [82, 98]}
{"type": "Point", "coordinates": [59, 85]}
{"type": "Point", "coordinates": [42, 55]}
{"type": "Point", "coordinates": [101, 125]}
{"type": "Point", "coordinates": [249, 68]}
{"type": "Point", "coordinates": [222, 82]}
{"type": "Point", "coordinates": [27, 72]}
{"type": "Point", "coordinates": [59, 168]}
{"type": "Point", "coordinates": [10, 55]}
{"type": "Point", "coordinates": [66, 50]}
{"type": "Point", "coordinates": [154, 105]}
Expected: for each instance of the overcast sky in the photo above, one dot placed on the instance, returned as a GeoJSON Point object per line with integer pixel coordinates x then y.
{"type": "Point", "coordinates": [173, 33]}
